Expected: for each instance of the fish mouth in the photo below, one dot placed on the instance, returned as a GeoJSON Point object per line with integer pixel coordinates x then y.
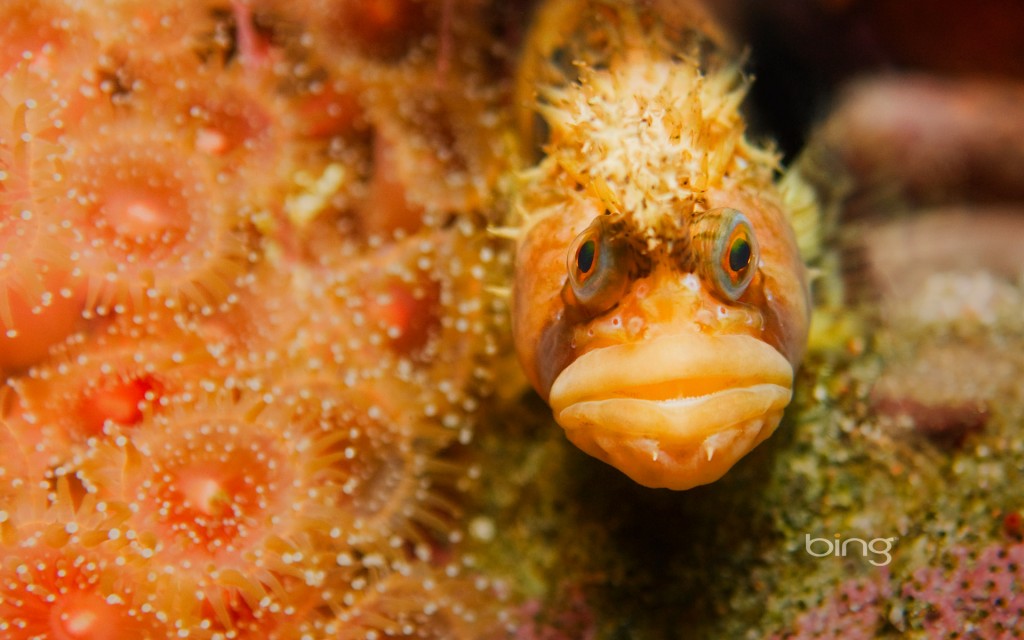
{"type": "Point", "coordinates": [674, 411]}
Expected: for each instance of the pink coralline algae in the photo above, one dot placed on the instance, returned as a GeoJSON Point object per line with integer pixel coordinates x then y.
{"type": "Point", "coordinates": [574, 619]}
{"type": "Point", "coordinates": [981, 596]}
{"type": "Point", "coordinates": [855, 611]}
{"type": "Point", "coordinates": [970, 593]}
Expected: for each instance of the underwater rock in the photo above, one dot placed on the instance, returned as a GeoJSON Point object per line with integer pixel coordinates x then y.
{"type": "Point", "coordinates": [854, 611]}
{"type": "Point", "coordinates": [978, 590]}
{"type": "Point", "coordinates": [937, 393]}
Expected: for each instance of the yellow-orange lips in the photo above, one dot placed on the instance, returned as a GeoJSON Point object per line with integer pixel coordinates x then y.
{"type": "Point", "coordinates": [673, 411]}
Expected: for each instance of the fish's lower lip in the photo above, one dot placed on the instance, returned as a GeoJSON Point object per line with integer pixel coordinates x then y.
{"type": "Point", "coordinates": [663, 409]}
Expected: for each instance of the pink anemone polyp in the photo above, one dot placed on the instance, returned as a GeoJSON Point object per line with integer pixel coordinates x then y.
{"type": "Point", "coordinates": [357, 434]}
{"type": "Point", "coordinates": [70, 568]}
{"type": "Point", "coordinates": [66, 593]}
{"type": "Point", "coordinates": [386, 28]}
{"type": "Point", "coordinates": [406, 313]}
{"type": "Point", "coordinates": [113, 377]}
{"type": "Point", "coordinates": [331, 110]}
{"type": "Point", "coordinates": [33, 321]}
{"type": "Point", "coordinates": [213, 488]}
{"type": "Point", "coordinates": [388, 482]}
{"type": "Point", "coordinates": [225, 118]}
{"type": "Point", "coordinates": [151, 223]}
{"type": "Point", "coordinates": [227, 493]}
{"type": "Point", "coordinates": [40, 300]}
{"type": "Point", "coordinates": [39, 32]}
{"type": "Point", "coordinates": [118, 400]}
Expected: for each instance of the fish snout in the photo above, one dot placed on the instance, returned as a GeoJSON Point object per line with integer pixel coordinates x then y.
{"type": "Point", "coordinates": [675, 411]}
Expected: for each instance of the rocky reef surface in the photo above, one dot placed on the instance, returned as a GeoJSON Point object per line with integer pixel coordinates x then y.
{"type": "Point", "coordinates": [887, 505]}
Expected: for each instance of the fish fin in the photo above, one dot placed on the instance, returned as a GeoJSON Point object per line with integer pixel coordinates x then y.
{"type": "Point", "coordinates": [815, 190]}
{"type": "Point", "coordinates": [804, 212]}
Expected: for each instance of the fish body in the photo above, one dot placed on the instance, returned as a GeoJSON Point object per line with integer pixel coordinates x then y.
{"type": "Point", "coordinates": [660, 302]}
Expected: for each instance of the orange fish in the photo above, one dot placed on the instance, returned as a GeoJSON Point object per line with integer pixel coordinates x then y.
{"type": "Point", "coordinates": [660, 302]}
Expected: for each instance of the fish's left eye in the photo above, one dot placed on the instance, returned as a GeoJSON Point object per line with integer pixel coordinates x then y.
{"type": "Point", "coordinates": [729, 251]}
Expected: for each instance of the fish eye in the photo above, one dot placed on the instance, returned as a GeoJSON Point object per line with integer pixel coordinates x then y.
{"type": "Point", "coordinates": [730, 251]}
{"type": "Point", "coordinates": [598, 273]}
{"type": "Point", "coordinates": [585, 255]}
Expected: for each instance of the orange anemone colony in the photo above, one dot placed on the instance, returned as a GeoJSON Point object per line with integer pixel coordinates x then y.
{"type": "Point", "coordinates": [246, 316]}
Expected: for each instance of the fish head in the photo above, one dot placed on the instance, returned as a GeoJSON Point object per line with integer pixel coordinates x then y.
{"type": "Point", "coordinates": [672, 359]}
{"type": "Point", "coordinates": [669, 360]}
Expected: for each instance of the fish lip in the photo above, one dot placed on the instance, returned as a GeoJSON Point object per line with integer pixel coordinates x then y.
{"type": "Point", "coordinates": [629, 405]}
{"type": "Point", "coordinates": [664, 368]}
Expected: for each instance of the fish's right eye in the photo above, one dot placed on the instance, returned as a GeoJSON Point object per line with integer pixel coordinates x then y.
{"type": "Point", "coordinates": [598, 269]}
{"type": "Point", "coordinates": [586, 253]}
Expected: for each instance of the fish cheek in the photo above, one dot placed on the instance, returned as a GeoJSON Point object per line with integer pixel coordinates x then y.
{"type": "Point", "coordinates": [555, 352]}
{"type": "Point", "coordinates": [786, 317]}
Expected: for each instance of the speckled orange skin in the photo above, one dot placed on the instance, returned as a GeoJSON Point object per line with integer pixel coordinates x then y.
{"type": "Point", "coordinates": [780, 291]}
{"type": "Point", "coordinates": [537, 303]}
{"type": "Point", "coordinates": [776, 302]}
{"type": "Point", "coordinates": [552, 335]}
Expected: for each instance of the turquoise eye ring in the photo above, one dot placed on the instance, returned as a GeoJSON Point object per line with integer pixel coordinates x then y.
{"type": "Point", "coordinates": [726, 251]}
{"type": "Point", "coordinates": [735, 254]}
{"type": "Point", "coordinates": [598, 269]}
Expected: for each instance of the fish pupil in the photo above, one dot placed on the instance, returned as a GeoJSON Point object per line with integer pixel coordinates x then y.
{"type": "Point", "coordinates": [739, 255]}
{"type": "Point", "coordinates": [585, 256]}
